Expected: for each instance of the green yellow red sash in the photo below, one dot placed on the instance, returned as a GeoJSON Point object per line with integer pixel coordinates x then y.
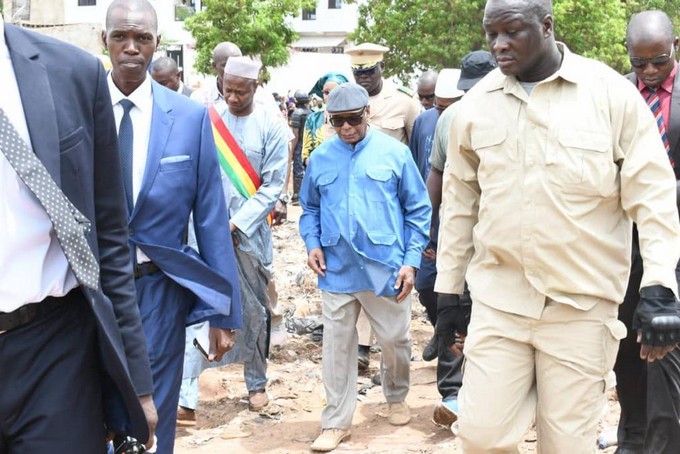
{"type": "Point", "coordinates": [233, 160]}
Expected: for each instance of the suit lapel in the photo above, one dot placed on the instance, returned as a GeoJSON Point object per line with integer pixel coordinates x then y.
{"type": "Point", "coordinates": [161, 125]}
{"type": "Point", "coordinates": [37, 101]}
{"type": "Point", "coordinates": [674, 121]}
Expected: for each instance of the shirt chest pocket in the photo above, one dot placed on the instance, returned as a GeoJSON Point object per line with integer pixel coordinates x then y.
{"type": "Point", "coordinates": [581, 161]}
{"type": "Point", "coordinates": [392, 124]}
{"type": "Point", "coordinates": [495, 155]}
{"type": "Point", "coordinates": [381, 185]}
{"type": "Point", "coordinates": [325, 181]}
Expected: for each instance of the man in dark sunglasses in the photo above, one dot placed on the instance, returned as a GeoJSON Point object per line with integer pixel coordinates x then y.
{"type": "Point", "coordinates": [365, 222]}
{"type": "Point", "coordinates": [425, 88]}
{"type": "Point", "coordinates": [649, 392]}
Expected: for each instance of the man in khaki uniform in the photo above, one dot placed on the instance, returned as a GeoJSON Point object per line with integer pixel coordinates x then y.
{"type": "Point", "coordinates": [393, 110]}
{"type": "Point", "coordinates": [551, 158]}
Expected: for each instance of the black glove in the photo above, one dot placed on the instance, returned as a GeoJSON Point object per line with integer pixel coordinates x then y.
{"type": "Point", "coordinates": [453, 317]}
{"type": "Point", "coordinates": [657, 317]}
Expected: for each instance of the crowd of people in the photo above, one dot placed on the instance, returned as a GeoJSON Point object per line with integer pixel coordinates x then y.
{"type": "Point", "coordinates": [530, 197]}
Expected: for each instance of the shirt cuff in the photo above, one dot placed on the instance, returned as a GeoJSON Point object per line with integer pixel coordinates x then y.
{"type": "Point", "coordinates": [413, 260]}
{"type": "Point", "coordinates": [452, 284]}
{"type": "Point", "coordinates": [660, 276]}
{"type": "Point", "coordinates": [312, 243]}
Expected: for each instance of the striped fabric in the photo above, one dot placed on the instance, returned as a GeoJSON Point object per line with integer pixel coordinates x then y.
{"type": "Point", "coordinates": [654, 103]}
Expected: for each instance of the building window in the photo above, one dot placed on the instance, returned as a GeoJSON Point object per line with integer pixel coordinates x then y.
{"type": "Point", "coordinates": [334, 4]}
{"type": "Point", "coordinates": [184, 9]}
{"type": "Point", "coordinates": [21, 10]}
{"type": "Point", "coordinates": [309, 14]}
{"type": "Point", "coordinates": [87, 2]}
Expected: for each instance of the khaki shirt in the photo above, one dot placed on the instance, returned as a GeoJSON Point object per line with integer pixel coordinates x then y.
{"type": "Point", "coordinates": [540, 192]}
{"type": "Point", "coordinates": [441, 139]}
{"type": "Point", "coordinates": [393, 112]}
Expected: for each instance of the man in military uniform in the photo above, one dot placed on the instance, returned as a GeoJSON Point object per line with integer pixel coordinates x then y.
{"type": "Point", "coordinates": [393, 108]}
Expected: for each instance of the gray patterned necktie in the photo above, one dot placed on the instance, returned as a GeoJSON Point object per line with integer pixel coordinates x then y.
{"type": "Point", "coordinates": [69, 224]}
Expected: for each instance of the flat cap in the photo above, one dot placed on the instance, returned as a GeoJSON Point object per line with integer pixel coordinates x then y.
{"type": "Point", "coordinates": [447, 84]}
{"type": "Point", "coordinates": [242, 67]}
{"type": "Point", "coordinates": [347, 97]}
{"type": "Point", "coordinates": [474, 67]}
{"type": "Point", "coordinates": [366, 55]}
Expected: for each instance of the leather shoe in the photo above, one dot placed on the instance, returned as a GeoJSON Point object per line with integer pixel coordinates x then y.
{"type": "Point", "coordinates": [330, 439]}
{"type": "Point", "coordinates": [364, 358]}
{"type": "Point", "coordinates": [257, 400]}
{"type": "Point", "coordinates": [444, 415]}
{"type": "Point", "coordinates": [186, 417]}
{"type": "Point", "coordinates": [430, 350]}
{"type": "Point", "coordinates": [398, 414]}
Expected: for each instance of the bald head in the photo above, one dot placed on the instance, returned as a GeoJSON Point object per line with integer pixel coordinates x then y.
{"type": "Point", "coordinates": [649, 26]}
{"type": "Point", "coordinates": [166, 72]}
{"type": "Point", "coordinates": [222, 52]}
{"type": "Point", "coordinates": [141, 6]}
{"type": "Point", "coordinates": [426, 84]}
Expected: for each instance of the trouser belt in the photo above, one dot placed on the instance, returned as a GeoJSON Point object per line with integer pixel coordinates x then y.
{"type": "Point", "coordinates": [29, 312]}
{"type": "Point", "coordinates": [146, 268]}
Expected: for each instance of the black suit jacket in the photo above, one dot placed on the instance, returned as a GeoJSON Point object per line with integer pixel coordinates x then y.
{"type": "Point", "coordinates": [70, 120]}
{"type": "Point", "coordinates": [673, 122]}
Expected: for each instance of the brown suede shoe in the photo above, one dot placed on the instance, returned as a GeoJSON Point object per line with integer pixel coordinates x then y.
{"type": "Point", "coordinates": [398, 414]}
{"type": "Point", "coordinates": [257, 400]}
{"type": "Point", "coordinates": [330, 439]}
{"type": "Point", "coordinates": [186, 417]}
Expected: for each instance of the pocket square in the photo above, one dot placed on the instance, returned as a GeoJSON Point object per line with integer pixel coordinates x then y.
{"type": "Point", "coordinates": [180, 158]}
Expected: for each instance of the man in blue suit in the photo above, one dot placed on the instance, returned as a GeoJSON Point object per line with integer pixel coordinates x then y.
{"type": "Point", "coordinates": [73, 358]}
{"type": "Point", "coordinates": [170, 171]}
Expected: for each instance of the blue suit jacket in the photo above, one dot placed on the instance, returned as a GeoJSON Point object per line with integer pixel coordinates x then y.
{"type": "Point", "coordinates": [68, 111]}
{"type": "Point", "coordinates": [182, 176]}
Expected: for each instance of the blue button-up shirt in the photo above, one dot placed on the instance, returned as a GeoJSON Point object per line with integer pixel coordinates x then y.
{"type": "Point", "coordinates": [367, 207]}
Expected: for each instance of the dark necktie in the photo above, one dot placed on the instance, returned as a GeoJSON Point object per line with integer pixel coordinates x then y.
{"type": "Point", "coordinates": [125, 142]}
{"type": "Point", "coordinates": [70, 225]}
{"type": "Point", "coordinates": [654, 103]}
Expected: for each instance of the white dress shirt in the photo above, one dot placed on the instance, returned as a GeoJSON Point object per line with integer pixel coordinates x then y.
{"type": "Point", "coordinates": [32, 263]}
{"type": "Point", "coordinates": [140, 114]}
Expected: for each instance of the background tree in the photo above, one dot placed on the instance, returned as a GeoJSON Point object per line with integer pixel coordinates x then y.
{"type": "Point", "coordinates": [258, 27]}
{"type": "Point", "coordinates": [424, 34]}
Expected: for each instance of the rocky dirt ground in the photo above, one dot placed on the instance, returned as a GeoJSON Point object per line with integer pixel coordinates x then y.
{"type": "Point", "coordinates": [291, 422]}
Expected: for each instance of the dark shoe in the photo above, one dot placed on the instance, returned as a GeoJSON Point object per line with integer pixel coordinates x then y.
{"type": "Point", "coordinates": [445, 413]}
{"type": "Point", "coordinates": [186, 417]}
{"type": "Point", "coordinates": [364, 358]}
{"type": "Point", "coordinates": [430, 350]}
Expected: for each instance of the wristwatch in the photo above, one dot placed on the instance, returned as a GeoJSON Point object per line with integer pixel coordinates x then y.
{"type": "Point", "coordinates": [284, 198]}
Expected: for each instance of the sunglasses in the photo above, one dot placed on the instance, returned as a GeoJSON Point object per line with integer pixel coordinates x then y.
{"type": "Point", "coordinates": [364, 72]}
{"type": "Point", "coordinates": [639, 62]}
{"type": "Point", "coordinates": [354, 120]}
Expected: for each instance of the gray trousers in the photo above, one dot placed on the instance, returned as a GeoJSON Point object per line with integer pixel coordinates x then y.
{"type": "Point", "coordinates": [390, 322]}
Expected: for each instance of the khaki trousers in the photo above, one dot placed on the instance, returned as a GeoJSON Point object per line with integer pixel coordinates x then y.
{"type": "Point", "coordinates": [557, 369]}
{"type": "Point", "coordinates": [390, 322]}
{"type": "Point", "coordinates": [364, 329]}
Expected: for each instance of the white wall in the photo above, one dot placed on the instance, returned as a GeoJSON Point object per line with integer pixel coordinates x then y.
{"type": "Point", "coordinates": [328, 20]}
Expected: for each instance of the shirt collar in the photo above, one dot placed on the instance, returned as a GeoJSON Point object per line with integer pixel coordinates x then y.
{"type": "Point", "coordinates": [666, 85]}
{"type": "Point", "coordinates": [568, 71]}
{"type": "Point", "coordinates": [141, 97]}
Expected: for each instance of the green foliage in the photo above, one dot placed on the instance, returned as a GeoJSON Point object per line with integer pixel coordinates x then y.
{"type": "Point", "coordinates": [424, 34]}
{"type": "Point", "coordinates": [258, 27]}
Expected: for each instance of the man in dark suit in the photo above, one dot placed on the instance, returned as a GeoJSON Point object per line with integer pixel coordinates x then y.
{"type": "Point", "coordinates": [166, 72]}
{"type": "Point", "coordinates": [649, 392]}
{"type": "Point", "coordinates": [73, 359]}
{"type": "Point", "coordinates": [170, 170]}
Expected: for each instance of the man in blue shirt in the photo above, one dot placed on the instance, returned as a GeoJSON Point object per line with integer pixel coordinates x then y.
{"type": "Point", "coordinates": [365, 223]}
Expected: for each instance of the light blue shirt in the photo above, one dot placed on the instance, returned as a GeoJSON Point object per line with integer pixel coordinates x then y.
{"type": "Point", "coordinates": [367, 207]}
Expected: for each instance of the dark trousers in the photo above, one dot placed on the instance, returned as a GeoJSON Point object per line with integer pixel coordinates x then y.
{"type": "Point", "coordinates": [50, 384]}
{"type": "Point", "coordinates": [163, 306]}
{"type": "Point", "coordinates": [649, 393]}
{"type": "Point", "coordinates": [449, 374]}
